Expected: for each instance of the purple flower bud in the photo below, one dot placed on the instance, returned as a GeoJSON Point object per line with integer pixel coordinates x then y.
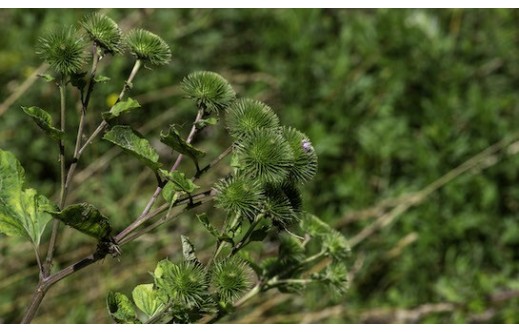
{"type": "Point", "coordinates": [307, 145]}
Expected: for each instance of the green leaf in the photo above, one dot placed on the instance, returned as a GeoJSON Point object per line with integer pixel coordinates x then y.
{"type": "Point", "coordinates": [173, 140]}
{"type": "Point", "coordinates": [188, 250]}
{"type": "Point", "coordinates": [101, 79]}
{"type": "Point", "coordinates": [135, 144]}
{"type": "Point", "coordinates": [87, 219]}
{"type": "Point", "coordinates": [260, 234]}
{"type": "Point", "coordinates": [146, 299]}
{"type": "Point", "coordinates": [169, 193]}
{"type": "Point", "coordinates": [179, 181]}
{"type": "Point", "coordinates": [121, 107]}
{"type": "Point", "coordinates": [202, 218]}
{"type": "Point", "coordinates": [200, 124]}
{"type": "Point", "coordinates": [21, 211]}
{"type": "Point", "coordinates": [121, 308]}
{"type": "Point", "coordinates": [47, 77]}
{"type": "Point", "coordinates": [44, 121]}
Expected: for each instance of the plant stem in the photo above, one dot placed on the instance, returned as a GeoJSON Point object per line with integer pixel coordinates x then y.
{"type": "Point", "coordinates": [103, 124]}
{"type": "Point", "coordinates": [196, 199]}
{"type": "Point", "coordinates": [55, 224]}
{"type": "Point", "coordinates": [158, 190]}
{"type": "Point", "coordinates": [49, 281]}
{"type": "Point", "coordinates": [214, 162]}
{"type": "Point", "coordinates": [220, 245]}
{"type": "Point", "coordinates": [46, 282]}
{"type": "Point", "coordinates": [84, 107]}
{"type": "Point", "coordinates": [245, 239]}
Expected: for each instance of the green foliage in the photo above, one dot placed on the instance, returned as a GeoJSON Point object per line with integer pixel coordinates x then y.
{"type": "Point", "coordinates": [87, 219]}
{"type": "Point", "coordinates": [63, 51]}
{"type": "Point", "coordinates": [148, 47]}
{"type": "Point", "coordinates": [121, 107]}
{"type": "Point", "coordinates": [103, 31]}
{"type": "Point", "coordinates": [209, 90]}
{"type": "Point", "coordinates": [44, 121]}
{"type": "Point", "coordinates": [173, 139]}
{"type": "Point", "coordinates": [133, 143]}
{"type": "Point", "coordinates": [21, 211]}
{"type": "Point", "coordinates": [246, 115]}
{"type": "Point", "coordinates": [178, 182]}
{"type": "Point", "coordinates": [121, 308]}
{"type": "Point", "coordinates": [146, 299]}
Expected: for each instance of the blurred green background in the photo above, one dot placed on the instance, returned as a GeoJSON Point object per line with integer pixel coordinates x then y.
{"type": "Point", "coordinates": [414, 115]}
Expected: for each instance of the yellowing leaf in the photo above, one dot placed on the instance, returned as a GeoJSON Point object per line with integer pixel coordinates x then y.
{"type": "Point", "coordinates": [21, 211]}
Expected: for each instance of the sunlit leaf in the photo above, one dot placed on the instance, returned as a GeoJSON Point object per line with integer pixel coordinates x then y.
{"type": "Point", "coordinates": [146, 299]}
{"type": "Point", "coordinates": [101, 79]}
{"type": "Point", "coordinates": [21, 211]}
{"type": "Point", "coordinates": [121, 107]}
{"type": "Point", "coordinates": [206, 122]}
{"type": "Point", "coordinates": [169, 193]}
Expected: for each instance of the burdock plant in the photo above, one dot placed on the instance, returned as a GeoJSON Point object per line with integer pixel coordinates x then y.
{"type": "Point", "coordinates": [260, 197]}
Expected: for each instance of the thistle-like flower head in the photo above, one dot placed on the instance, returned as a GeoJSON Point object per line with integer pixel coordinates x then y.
{"type": "Point", "coordinates": [103, 31]}
{"type": "Point", "coordinates": [231, 278]}
{"type": "Point", "coordinates": [247, 115]}
{"type": "Point", "coordinates": [305, 158]}
{"type": "Point", "coordinates": [209, 90]}
{"type": "Point", "coordinates": [266, 155]}
{"type": "Point", "coordinates": [148, 47]}
{"type": "Point", "coordinates": [239, 195]}
{"type": "Point", "coordinates": [63, 50]}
